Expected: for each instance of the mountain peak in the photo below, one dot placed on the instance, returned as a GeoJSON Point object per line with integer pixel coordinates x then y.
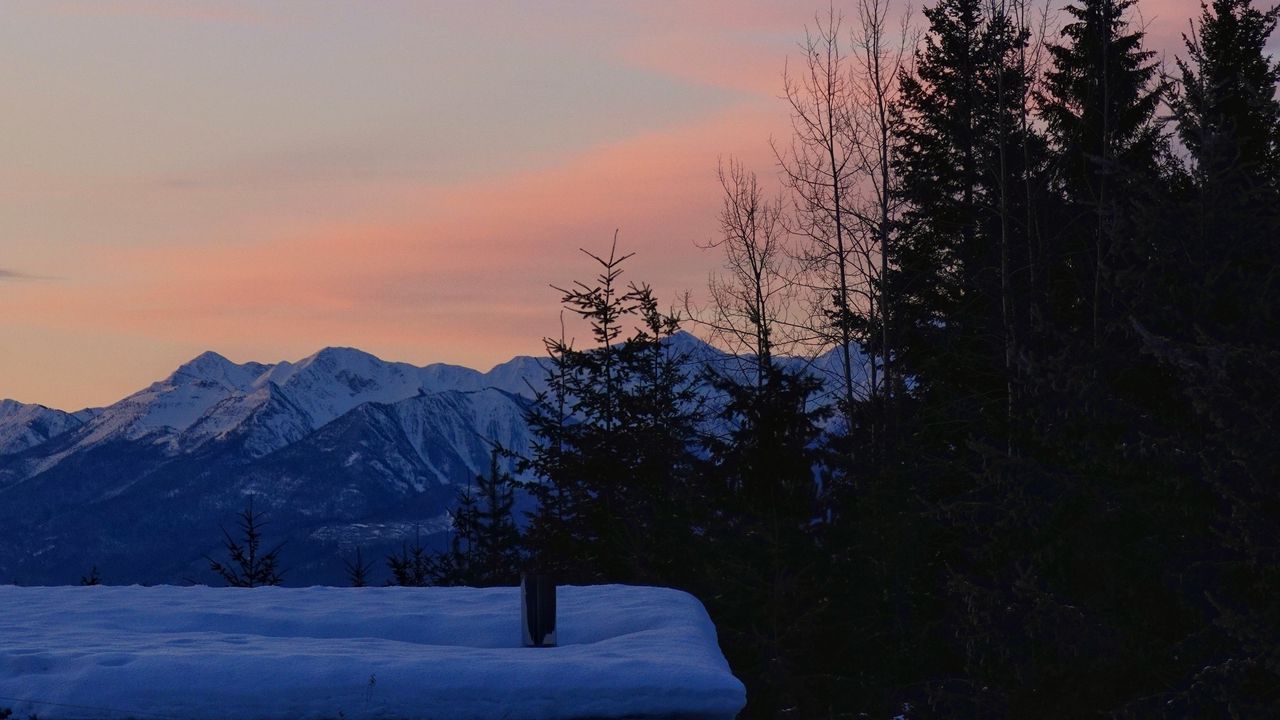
{"type": "Point", "coordinates": [341, 356]}
{"type": "Point", "coordinates": [14, 407]}
{"type": "Point", "coordinates": [209, 366]}
{"type": "Point", "coordinates": [206, 359]}
{"type": "Point", "coordinates": [685, 339]}
{"type": "Point", "coordinates": [691, 346]}
{"type": "Point", "coordinates": [10, 406]}
{"type": "Point", "coordinates": [341, 350]}
{"type": "Point", "coordinates": [24, 425]}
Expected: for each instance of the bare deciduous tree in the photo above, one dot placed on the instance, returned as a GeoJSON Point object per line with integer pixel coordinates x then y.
{"type": "Point", "coordinates": [878, 61]}
{"type": "Point", "coordinates": [820, 166]}
{"type": "Point", "coordinates": [839, 169]}
{"type": "Point", "coordinates": [751, 302]}
{"type": "Point", "coordinates": [1027, 65]}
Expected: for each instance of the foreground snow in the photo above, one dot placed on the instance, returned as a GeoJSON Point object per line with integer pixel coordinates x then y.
{"type": "Point", "coordinates": [197, 652]}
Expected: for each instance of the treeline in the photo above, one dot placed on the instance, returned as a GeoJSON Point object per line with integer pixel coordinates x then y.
{"type": "Point", "coordinates": [1046, 484]}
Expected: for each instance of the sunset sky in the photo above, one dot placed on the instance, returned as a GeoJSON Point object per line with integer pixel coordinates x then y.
{"type": "Point", "coordinates": [266, 179]}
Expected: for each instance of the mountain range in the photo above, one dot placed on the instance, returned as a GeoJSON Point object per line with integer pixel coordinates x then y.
{"type": "Point", "coordinates": [340, 449]}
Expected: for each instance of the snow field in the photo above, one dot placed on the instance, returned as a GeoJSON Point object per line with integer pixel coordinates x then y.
{"type": "Point", "coordinates": [302, 653]}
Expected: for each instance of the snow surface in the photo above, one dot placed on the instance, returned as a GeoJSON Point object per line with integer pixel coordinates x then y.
{"type": "Point", "coordinates": [23, 426]}
{"type": "Point", "coordinates": [299, 653]}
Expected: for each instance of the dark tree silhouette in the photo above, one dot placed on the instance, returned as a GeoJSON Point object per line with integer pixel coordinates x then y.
{"type": "Point", "coordinates": [358, 569]}
{"type": "Point", "coordinates": [497, 539]}
{"type": "Point", "coordinates": [614, 440]}
{"type": "Point", "coordinates": [414, 566]}
{"type": "Point", "coordinates": [1228, 113]}
{"type": "Point", "coordinates": [820, 167]}
{"type": "Point", "coordinates": [1099, 107]}
{"type": "Point", "coordinates": [247, 565]}
{"type": "Point", "coordinates": [93, 578]}
{"type": "Point", "coordinates": [484, 549]}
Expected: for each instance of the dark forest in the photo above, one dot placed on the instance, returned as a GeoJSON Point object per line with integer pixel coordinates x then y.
{"type": "Point", "coordinates": [1044, 484]}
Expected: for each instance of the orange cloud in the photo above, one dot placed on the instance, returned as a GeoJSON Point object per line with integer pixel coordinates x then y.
{"type": "Point", "coordinates": [461, 274]}
{"type": "Point", "coordinates": [333, 242]}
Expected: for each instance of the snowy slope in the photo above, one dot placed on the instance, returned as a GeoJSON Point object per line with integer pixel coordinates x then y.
{"type": "Point", "coordinates": [296, 654]}
{"type": "Point", "coordinates": [24, 426]}
{"type": "Point", "coordinates": [467, 423]}
{"type": "Point", "coordinates": [266, 406]}
{"type": "Point", "coordinates": [174, 403]}
{"type": "Point", "coordinates": [368, 478]}
{"type": "Point", "coordinates": [263, 419]}
{"type": "Point", "coordinates": [335, 380]}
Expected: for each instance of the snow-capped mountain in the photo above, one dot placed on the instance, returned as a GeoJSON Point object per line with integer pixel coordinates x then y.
{"type": "Point", "coordinates": [341, 448]}
{"type": "Point", "coordinates": [24, 426]}
{"type": "Point", "coordinates": [210, 398]}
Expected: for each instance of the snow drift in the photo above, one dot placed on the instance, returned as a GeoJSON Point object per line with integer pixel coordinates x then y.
{"type": "Point", "coordinates": [298, 653]}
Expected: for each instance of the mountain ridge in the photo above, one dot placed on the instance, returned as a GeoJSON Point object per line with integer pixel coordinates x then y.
{"type": "Point", "coordinates": [340, 445]}
{"type": "Point", "coordinates": [341, 448]}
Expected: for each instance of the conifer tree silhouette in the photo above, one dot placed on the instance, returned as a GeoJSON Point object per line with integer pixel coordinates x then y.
{"type": "Point", "coordinates": [247, 564]}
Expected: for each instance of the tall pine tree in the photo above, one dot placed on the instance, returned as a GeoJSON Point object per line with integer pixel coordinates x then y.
{"type": "Point", "coordinates": [1209, 319]}
{"type": "Point", "coordinates": [614, 440]}
{"type": "Point", "coordinates": [971, 169]}
{"type": "Point", "coordinates": [497, 539]}
{"type": "Point", "coordinates": [760, 560]}
{"type": "Point", "coordinates": [960, 160]}
{"type": "Point", "coordinates": [1099, 106]}
{"type": "Point", "coordinates": [1227, 113]}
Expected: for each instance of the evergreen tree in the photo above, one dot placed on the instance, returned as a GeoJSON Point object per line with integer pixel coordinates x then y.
{"type": "Point", "coordinates": [1099, 106]}
{"type": "Point", "coordinates": [970, 170]}
{"type": "Point", "coordinates": [497, 537]}
{"type": "Point", "coordinates": [554, 525]}
{"type": "Point", "coordinates": [1208, 318]}
{"type": "Point", "coordinates": [614, 440]}
{"type": "Point", "coordinates": [414, 566]}
{"type": "Point", "coordinates": [485, 547]}
{"type": "Point", "coordinates": [765, 569]}
{"type": "Point", "coordinates": [660, 410]}
{"type": "Point", "coordinates": [575, 426]}
{"type": "Point", "coordinates": [961, 165]}
{"type": "Point", "coordinates": [1229, 119]}
{"type": "Point", "coordinates": [248, 566]}
{"type": "Point", "coordinates": [457, 565]}
{"type": "Point", "coordinates": [358, 569]}
{"type": "Point", "coordinates": [1084, 544]}
{"type": "Point", "coordinates": [1228, 113]}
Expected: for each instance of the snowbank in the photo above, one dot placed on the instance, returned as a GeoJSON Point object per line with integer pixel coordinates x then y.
{"type": "Point", "coordinates": [297, 653]}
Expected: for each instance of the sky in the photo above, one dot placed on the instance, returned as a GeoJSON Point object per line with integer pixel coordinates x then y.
{"type": "Point", "coordinates": [265, 179]}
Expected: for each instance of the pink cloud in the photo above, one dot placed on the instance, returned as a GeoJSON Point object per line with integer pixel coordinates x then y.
{"type": "Point", "coordinates": [424, 269]}
{"type": "Point", "coordinates": [462, 276]}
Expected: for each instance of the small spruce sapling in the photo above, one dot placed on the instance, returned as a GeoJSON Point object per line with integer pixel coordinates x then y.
{"type": "Point", "coordinates": [414, 566]}
{"type": "Point", "coordinates": [248, 565]}
{"type": "Point", "coordinates": [358, 569]}
{"type": "Point", "coordinates": [485, 548]}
